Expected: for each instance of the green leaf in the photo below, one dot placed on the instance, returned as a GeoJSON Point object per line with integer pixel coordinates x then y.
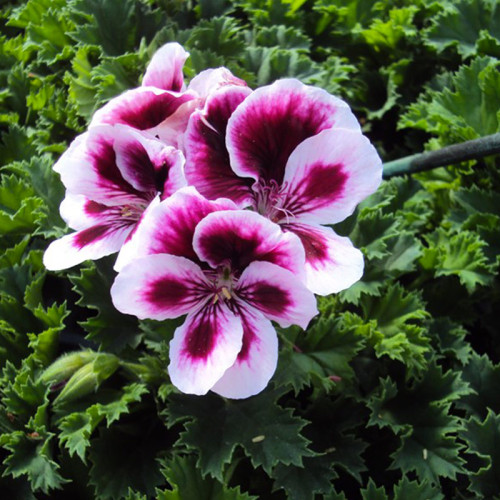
{"type": "Point", "coordinates": [113, 330]}
{"type": "Point", "coordinates": [458, 255]}
{"type": "Point", "coordinates": [372, 492]}
{"type": "Point", "coordinates": [407, 488]}
{"type": "Point", "coordinates": [483, 377]}
{"type": "Point", "coordinates": [462, 25]}
{"type": "Point", "coordinates": [397, 333]}
{"type": "Point", "coordinates": [323, 352]}
{"type": "Point", "coordinates": [19, 208]}
{"type": "Point", "coordinates": [303, 483]}
{"type": "Point", "coordinates": [31, 456]}
{"type": "Point", "coordinates": [125, 456]}
{"type": "Point", "coordinates": [183, 474]}
{"type": "Point", "coordinates": [466, 108]}
{"type": "Point", "coordinates": [76, 428]}
{"type": "Point", "coordinates": [482, 438]}
{"type": "Point", "coordinates": [420, 415]}
{"type": "Point", "coordinates": [268, 433]}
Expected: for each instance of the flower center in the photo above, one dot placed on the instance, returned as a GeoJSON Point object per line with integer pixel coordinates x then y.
{"type": "Point", "coordinates": [270, 200]}
{"type": "Point", "coordinates": [133, 211]}
{"type": "Point", "coordinates": [224, 282]}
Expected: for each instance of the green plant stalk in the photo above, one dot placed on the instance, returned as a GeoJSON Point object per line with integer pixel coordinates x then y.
{"type": "Point", "coordinates": [476, 148]}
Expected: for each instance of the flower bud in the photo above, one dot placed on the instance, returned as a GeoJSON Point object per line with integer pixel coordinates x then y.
{"type": "Point", "coordinates": [64, 367]}
{"type": "Point", "coordinates": [88, 378]}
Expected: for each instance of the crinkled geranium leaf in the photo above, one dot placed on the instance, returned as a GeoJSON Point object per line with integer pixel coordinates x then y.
{"type": "Point", "coordinates": [188, 482]}
{"type": "Point", "coordinates": [482, 437]}
{"type": "Point", "coordinates": [268, 433]}
{"type": "Point", "coordinates": [125, 456]}
{"type": "Point", "coordinates": [323, 351]}
{"type": "Point", "coordinates": [113, 330]}
{"type": "Point", "coordinates": [303, 483]}
{"type": "Point", "coordinates": [428, 432]}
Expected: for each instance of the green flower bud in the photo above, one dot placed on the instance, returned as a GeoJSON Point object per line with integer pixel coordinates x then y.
{"type": "Point", "coordinates": [88, 378]}
{"type": "Point", "coordinates": [64, 367]}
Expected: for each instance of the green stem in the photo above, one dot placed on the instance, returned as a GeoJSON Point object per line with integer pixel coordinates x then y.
{"type": "Point", "coordinates": [477, 148]}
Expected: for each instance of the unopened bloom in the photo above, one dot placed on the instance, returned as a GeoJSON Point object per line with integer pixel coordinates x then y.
{"type": "Point", "coordinates": [231, 272]}
{"type": "Point", "coordinates": [111, 174]}
{"type": "Point", "coordinates": [296, 155]}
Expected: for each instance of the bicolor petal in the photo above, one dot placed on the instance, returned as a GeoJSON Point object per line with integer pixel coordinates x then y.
{"type": "Point", "coordinates": [88, 167]}
{"type": "Point", "coordinates": [165, 69]}
{"type": "Point", "coordinates": [159, 112]}
{"type": "Point", "coordinates": [169, 227]}
{"type": "Point", "coordinates": [79, 212]}
{"type": "Point", "coordinates": [148, 164]}
{"type": "Point", "coordinates": [237, 238]}
{"type": "Point", "coordinates": [87, 244]}
{"type": "Point", "coordinates": [213, 79]}
{"type": "Point", "coordinates": [332, 262]}
{"type": "Point", "coordinates": [327, 175]}
{"type": "Point", "coordinates": [274, 120]}
{"type": "Point", "coordinates": [277, 293]}
{"type": "Point", "coordinates": [159, 287]}
{"type": "Point", "coordinates": [204, 347]}
{"type": "Point", "coordinates": [256, 361]}
{"type": "Point", "coordinates": [207, 159]}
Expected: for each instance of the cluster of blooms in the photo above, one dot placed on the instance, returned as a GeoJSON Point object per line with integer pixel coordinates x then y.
{"type": "Point", "coordinates": [215, 197]}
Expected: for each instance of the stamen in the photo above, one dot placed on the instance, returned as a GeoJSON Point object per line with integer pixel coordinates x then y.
{"type": "Point", "coordinates": [215, 299]}
{"type": "Point", "coordinates": [226, 293]}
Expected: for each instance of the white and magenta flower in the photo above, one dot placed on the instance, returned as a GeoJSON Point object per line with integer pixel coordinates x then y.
{"type": "Point", "coordinates": [231, 272]}
{"type": "Point", "coordinates": [111, 174]}
{"type": "Point", "coordinates": [294, 154]}
{"type": "Point", "coordinates": [162, 106]}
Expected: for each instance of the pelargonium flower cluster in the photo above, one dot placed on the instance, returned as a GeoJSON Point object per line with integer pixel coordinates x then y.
{"type": "Point", "coordinates": [217, 198]}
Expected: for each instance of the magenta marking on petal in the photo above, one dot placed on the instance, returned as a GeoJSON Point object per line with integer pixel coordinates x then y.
{"type": "Point", "coordinates": [94, 208]}
{"type": "Point", "coordinates": [139, 166]}
{"type": "Point", "coordinates": [249, 336]}
{"type": "Point", "coordinates": [166, 293]}
{"type": "Point", "coordinates": [323, 184]}
{"type": "Point", "coordinates": [240, 237]}
{"type": "Point", "coordinates": [272, 122]}
{"type": "Point", "coordinates": [153, 112]}
{"type": "Point", "coordinates": [171, 225]}
{"type": "Point", "coordinates": [104, 163]}
{"type": "Point", "coordinates": [90, 235]}
{"type": "Point", "coordinates": [207, 159]}
{"type": "Point", "coordinates": [142, 108]}
{"type": "Point", "coordinates": [315, 247]}
{"type": "Point", "coordinates": [269, 297]}
{"type": "Point", "coordinates": [201, 338]}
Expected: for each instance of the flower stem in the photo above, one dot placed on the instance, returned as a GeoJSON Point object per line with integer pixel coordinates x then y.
{"type": "Point", "coordinates": [476, 148]}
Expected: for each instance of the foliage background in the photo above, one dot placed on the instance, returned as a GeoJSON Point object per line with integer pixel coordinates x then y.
{"type": "Point", "coordinates": [392, 393]}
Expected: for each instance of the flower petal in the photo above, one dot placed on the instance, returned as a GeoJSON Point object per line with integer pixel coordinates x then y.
{"type": "Point", "coordinates": [80, 213]}
{"type": "Point", "coordinates": [239, 237]}
{"type": "Point", "coordinates": [159, 287]}
{"type": "Point", "coordinates": [274, 120]}
{"type": "Point", "coordinates": [329, 174]}
{"type": "Point", "coordinates": [169, 227]}
{"type": "Point", "coordinates": [148, 164]}
{"type": "Point", "coordinates": [165, 69]}
{"type": "Point", "coordinates": [204, 347]}
{"type": "Point", "coordinates": [277, 293]}
{"type": "Point", "coordinates": [257, 360]}
{"type": "Point", "coordinates": [332, 262]}
{"type": "Point", "coordinates": [88, 167]}
{"type": "Point", "coordinates": [207, 159]}
{"type": "Point", "coordinates": [159, 112]}
{"type": "Point", "coordinates": [213, 79]}
{"type": "Point", "coordinates": [91, 243]}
